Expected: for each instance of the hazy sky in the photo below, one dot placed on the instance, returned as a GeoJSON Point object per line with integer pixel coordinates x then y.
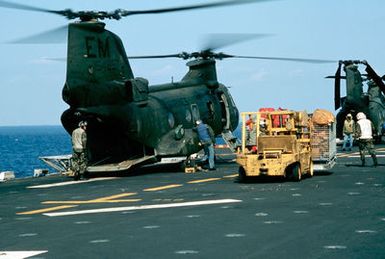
{"type": "Point", "coordinates": [326, 29]}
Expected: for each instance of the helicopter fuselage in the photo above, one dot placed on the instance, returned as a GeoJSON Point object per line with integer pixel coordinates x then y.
{"type": "Point", "coordinates": [372, 102]}
{"type": "Point", "coordinates": [127, 118]}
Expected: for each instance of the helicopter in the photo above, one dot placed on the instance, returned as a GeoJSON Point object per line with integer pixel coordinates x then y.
{"type": "Point", "coordinates": [371, 102]}
{"type": "Point", "coordinates": [131, 123]}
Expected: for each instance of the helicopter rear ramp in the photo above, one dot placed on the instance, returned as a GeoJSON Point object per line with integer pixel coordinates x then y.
{"type": "Point", "coordinates": [121, 166]}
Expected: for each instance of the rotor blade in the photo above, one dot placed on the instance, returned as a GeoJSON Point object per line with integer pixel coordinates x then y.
{"type": "Point", "coordinates": [220, 40]}
{"type": "Point", "coordinates": [156, 56]}
{"type": "Point", "coordinates": [57, 35]}
{"type": "Point", "coordinates": [124, 13]}
{"type": "Point", "coordinates": [53, 59]}
{"type": "Point", "coordinates": [333, 77]}
{"type": "Point", "coordinates": [306, 60]}
{"type": "Point", "coordinates": [10, 5]}
{"type": "Point", "coordinates": [337, 87]}
{"type": "Point", "coordinates": [21, 7]}
{"type": "Point", "coordinates": [376, 78]}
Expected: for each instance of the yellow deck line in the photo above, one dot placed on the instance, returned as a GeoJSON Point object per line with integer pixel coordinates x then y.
{"type": "Point", "coordinates": [90, 201]}
{"type": "Point", "coordinates": [230, 176]}
{"type": "Point", "coordinates": [46, 210]}
{"type": "Point", "coordinates": [115, 196]}
{"type": "Point", "coordinates": [162, 187]}
{"type": "Point", "coordinates": [204, 180]}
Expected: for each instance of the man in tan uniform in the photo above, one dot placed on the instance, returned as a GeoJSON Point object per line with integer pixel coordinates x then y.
{"type": "Point", "coordinates": [348, 131]}
{"type": "Point", "coordinates": [79, 156]}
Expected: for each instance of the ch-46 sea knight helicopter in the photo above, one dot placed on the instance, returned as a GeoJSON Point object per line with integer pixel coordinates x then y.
{"type": "Point", "coordinates": [370, 102]}
{"type": "Point", "coordinates": [129, 122]}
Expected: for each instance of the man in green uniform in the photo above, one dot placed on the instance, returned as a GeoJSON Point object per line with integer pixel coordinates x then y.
{"type": "Point", "coordinates": [79, 156]}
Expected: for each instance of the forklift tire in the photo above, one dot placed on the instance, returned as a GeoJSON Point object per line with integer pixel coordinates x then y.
{"type": "Point", "coordinates": [242, 178]}
{"type": "Point", "coordinates": [311, 169]}
{"type": "Point", "coordinates": [296, 173]}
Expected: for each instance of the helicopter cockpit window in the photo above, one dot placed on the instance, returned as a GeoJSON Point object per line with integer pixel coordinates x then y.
{"type": "Point", "coordinates": [195, 112]}
{"type": "Point", "coordinates": [210, 107]}
{"type": "Point", "coordinates": [171, 120]}
{"type": "Point", "coordinates": [188, 116]}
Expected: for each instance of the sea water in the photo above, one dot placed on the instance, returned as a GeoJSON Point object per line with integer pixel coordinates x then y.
{"type": "Point", "coordinates": [21, 147]}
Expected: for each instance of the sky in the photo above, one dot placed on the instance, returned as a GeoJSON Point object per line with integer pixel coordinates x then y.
{"type": "Point", "coordinates": [31, 84]}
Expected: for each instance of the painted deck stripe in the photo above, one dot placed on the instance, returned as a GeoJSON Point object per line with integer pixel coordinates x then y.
{"type": "Point", "coordinates": [205, 180]}
{"type": "Point", "coordinates": [142, 207]}
{"type": "Point", "coordinates": [230, 176]}
{"type": "Point", "coordinates": [90, 201]}
{"type": "Point", "coordinates": [120, 195]}
{"type": "Point", "coordinates": [70, 183]}
{"type": "Point", "coordinates": [107, 199]}
{"type": "Point", "coordinates": [352, 154]}
{"type": "Point", "coordinates": [162, 187]}
{"type": "Point", "coordinates": [46, 210]}
{"type": "Point", "coordinates": [377, 155]}
{"type": "Point", "coordinates": [20, 254]}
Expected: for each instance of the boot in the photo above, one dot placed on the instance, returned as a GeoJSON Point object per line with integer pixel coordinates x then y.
{"type": "Point", "coordinates": [374, 160]}
{"type": "Point", "coordinates": [76, 176]}
{"type": "Point", "coordinates": [362, 163]}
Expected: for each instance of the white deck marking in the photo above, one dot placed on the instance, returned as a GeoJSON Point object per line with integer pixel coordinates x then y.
{"type": "Point", "coordinates": [193, 216]}
{"type": "Point", "coordinates": [364, 231]}
{"type": "Point", "coordinates": [300, 211]}
{"type": "Point", "coordinates": [69, 183]}
{"type": "Point", "coordinates": [273, 222]}
{"type": "Point", "coordinates": [82, 222]}
{"type": "Point", "coordinates": [184, 252]}
{"type": "Point", "coordinates": [261, 214]}
{"type": "Point", "coordinates": [151, 227]}
{"type": "Point", "coordinates": [142, 207]}
{"type": "Point", "coordinates": [28, 235]}
{"type": "Point", "coordinates": [235, 235]}
{"type": "Point", "coordinates": [99, 241]}
{"type": "Point", "coordinates": [335, 247]}
{"type": "Point", "coordinates": [367, 156]}
{"type": "Point", "coordinates": [19, 254]}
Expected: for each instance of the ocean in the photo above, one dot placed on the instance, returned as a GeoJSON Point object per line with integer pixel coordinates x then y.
{"type": "Point", "coordinates": [21, 147]}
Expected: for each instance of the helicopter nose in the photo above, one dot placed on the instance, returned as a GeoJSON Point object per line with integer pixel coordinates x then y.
{"type": "Point", "coordinates": [66, 94]}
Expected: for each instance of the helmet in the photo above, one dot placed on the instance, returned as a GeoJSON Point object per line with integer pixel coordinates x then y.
{"type": "Point", "coordinates": [82, 124]}
{"type": "Point", "coordinates": [198, 122]}
{"type": "Point", "coordinates": [349, 115]}
{"type": "Point", "coordinates": [361, 116]}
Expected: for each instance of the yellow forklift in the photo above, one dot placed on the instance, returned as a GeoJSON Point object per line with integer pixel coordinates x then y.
{"type": "Point", "coordinates": [275, 143]}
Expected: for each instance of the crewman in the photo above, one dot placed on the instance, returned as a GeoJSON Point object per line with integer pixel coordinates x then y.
{"type": "Point", "coordinates": [207, 140]}
{"type": "Point", "coordinates": [251, 131]}
{"type": "Point", "coordinates": [79, 156]}
{"type": "Point", "coordinates": [363, 132]}
{"type": "Point", "coordinates": [348, 131]}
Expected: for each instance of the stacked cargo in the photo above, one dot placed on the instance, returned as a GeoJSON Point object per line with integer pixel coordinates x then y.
{"type": "Point", "coordinates": [323, 140]}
